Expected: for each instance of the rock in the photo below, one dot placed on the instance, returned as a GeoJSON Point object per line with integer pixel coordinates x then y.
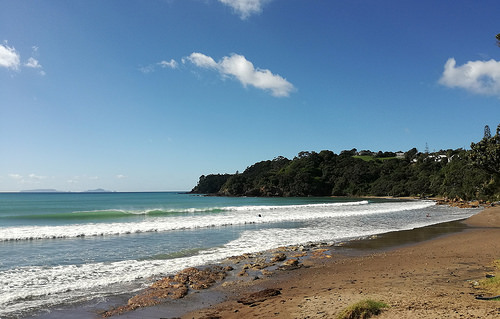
{"type": "Point", "coordinates": [237, 259]}
{"type": "Point", "coordinates": [460, 203]}
{"type": "Point", "coordinates": [242, 273]}
{"type": "Point", "coordinates": [278, 257]}
{"type": "Point", "coordinates": [173, 287]}
{"type": "Point", "coordinates": [474, 204]}
{"type": "Point", "coordinates": [259, 266]}
{"type": "Point", "coordinates": [320, 253]}
{"type": "Point", "coordinates": [265, 272]}
{"type": "Point", "coordinates": [290, 264]}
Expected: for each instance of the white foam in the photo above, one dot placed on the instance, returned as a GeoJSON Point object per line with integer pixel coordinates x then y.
{"type": "Point", "coordinates": [26, 288]}
{"type": "Point", "coordinates": [228, 216]}
{"type": "Point", "coordinates": [287, 207]}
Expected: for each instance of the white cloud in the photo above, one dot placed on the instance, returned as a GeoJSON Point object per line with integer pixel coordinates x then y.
{"type": "Point", "coordinates": [170, 64]}
{"type": "Point", "coordinates": [202, 60]}
{"type": "Point", "coordinates": [120, 176]}
{"type": "Point", "coordinates": [480, 77]}
{"type": "Point", "coordinates": [245, 8]}
{"type": "Point", "coordinates": [36, 177]}
{"type": "Point", "coordinates": [244, 71]}
{"type": "Point", "coordinates": [147, 69]}
{"type": "Point", "coordinates": [9, 58]}
{"type": "Point", "coordinates": [30, 179]}
{"type": "Point", "coordinates": [33, 63]}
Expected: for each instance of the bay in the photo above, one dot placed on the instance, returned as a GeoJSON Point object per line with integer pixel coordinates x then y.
{"type": "Point", "coordinates": [65, 248]}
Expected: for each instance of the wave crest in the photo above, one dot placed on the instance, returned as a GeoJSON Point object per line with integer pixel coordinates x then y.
{"type": "Point", "coordinates": [227, 216]}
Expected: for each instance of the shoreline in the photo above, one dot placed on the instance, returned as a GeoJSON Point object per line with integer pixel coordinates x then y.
{"type": "Point", "coordinates": [428, 279]}
{"type": "Point", "coordinates": [237, 285]}
{"type": "Point", "coordinates": [214, 301]}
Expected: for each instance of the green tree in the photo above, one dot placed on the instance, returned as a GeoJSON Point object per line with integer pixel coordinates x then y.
{"type": "Point", "coordinates": [487, 132]}
{"type": "Point", "coordinates": [463, 180]}
{"type": "Point", "coordinates": [486, 153]}
{"type": "Point", "coordinates": [473, 174]}
{"type": "Point", "coordinates": [210, 184]}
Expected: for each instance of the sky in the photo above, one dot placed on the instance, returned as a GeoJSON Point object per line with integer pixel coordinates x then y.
{"type": "Point", "coordinates": [150, 95]}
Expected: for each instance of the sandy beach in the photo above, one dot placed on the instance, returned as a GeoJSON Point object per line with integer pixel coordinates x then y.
{"type": "Point", "coordinates": [431, 279]}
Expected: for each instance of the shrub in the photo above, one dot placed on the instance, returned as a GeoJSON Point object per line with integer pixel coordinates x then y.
{"type": "Point", "coordinates": [362, 310]}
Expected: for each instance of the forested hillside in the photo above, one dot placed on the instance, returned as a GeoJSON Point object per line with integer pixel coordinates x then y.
{"type": "Point", "coordinates": [463, 174]}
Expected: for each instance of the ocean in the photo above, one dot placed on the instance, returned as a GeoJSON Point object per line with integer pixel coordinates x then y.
{"type": "Point", "coordinates": [67, 248]}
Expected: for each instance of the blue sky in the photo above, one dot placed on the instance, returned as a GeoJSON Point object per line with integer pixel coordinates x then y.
{"type": "Point", "coordinates": [149, 95]}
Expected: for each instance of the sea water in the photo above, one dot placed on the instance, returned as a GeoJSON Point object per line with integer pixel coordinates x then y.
{"type": "Point", "coordinates": [65, 248]}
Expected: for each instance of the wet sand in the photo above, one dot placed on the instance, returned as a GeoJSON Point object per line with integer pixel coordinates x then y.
{"type": "Point", "coordinates": [417, 279]}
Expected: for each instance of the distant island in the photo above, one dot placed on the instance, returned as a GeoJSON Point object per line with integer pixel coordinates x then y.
{"type": "Point", "coordinates": [454, 174]}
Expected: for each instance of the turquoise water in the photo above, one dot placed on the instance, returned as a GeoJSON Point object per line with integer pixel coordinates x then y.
{"type": "Point", "coordinates": [63, 248]}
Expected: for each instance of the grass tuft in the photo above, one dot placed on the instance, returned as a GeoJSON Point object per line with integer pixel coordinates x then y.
{"type": "Point", "coordinates": [362, 310]}
{"type": "Point", "coordinates": [492, 285]}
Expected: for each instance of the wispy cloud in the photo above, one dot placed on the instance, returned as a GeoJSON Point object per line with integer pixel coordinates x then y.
{"type": "Point", "coordinates": [172, 64]}
{"type": "Point", "coordinates": [36, 177]}
{"type": "Point", "coordinates": [82, 179]}
{"type": "Point", "coordinates": [479, 77]}
{"type": "Point", "coordinates": [9, 58]}
{"type": "Point", "coordinates": [16, 176]}
{"type": "Point", "coordinates": [245, 8]}
{"type": "Point", "coordinates": [239, 67]}
{"type": "Point", "coordinates": [33, 63]}
{"type": "Point", "coordinates": [147, 69]}
{"type": "Point", "coordinates": [30, 179]}
{"type": "Point", "coordinates": [120, 176]}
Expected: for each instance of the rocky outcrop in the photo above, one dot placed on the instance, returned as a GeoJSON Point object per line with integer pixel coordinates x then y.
{"type": "Point", "coordinates": [246, 267]}
{"type": "Point", "coordinates": [460, 203]}
{"type": "Point", "coordinates": [174, 287]}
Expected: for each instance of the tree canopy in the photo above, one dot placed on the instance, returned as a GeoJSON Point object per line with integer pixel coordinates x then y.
{"type": "Point", "coordinates": [486, 153]}
{"type": "Point", "coordinates": [459, 173]}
